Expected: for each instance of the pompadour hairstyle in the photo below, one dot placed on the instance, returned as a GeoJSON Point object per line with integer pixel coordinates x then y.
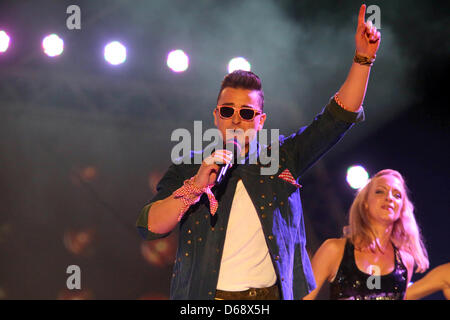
{"type": "Point", "coordinates": [241, 79]}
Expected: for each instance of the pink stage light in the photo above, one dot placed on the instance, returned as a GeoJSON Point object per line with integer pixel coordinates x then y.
{"type": "Point", "coordinates": [177, 61]}
{"type": "Point", "coordinates": [4, 41]}
{"type": "Point", "coordinates": [53, 45]}
{"type": "Point", "coordinates": [115, 53]}
{"type": "Point", "coordinates": [357, 177]}
{"type": "Point", "coordinates": [238, 63]}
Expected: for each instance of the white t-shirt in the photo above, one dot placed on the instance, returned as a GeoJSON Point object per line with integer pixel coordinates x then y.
{"type": "Point", "coordinates": [246, 261]}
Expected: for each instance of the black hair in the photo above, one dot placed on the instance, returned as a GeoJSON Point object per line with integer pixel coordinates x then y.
{"type": "Point", "coordinates": [241, 79]}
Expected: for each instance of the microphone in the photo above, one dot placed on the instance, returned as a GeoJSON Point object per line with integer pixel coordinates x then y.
{"type": "Point", "coordinates": [234, 146]}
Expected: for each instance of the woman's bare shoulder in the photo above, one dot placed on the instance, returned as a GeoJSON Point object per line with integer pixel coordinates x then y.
{"type": "Point", "coordinates": [332, 248]}
{"type": "Point", "coordinates": [335, 244]}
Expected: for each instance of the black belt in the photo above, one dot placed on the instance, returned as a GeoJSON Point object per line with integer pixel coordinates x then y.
{"type": "Point", "coordinates": [270, 293]}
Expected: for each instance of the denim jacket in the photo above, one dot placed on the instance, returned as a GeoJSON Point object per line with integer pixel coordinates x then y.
{"type": "Point", "coordinates": [277, 202]}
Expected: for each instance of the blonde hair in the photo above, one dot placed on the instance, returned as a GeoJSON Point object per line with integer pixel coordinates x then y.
{"type": "Point", "coordinates": [406, 235]}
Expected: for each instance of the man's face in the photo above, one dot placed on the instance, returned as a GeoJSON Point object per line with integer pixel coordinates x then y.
{"type": "Point", "coordinates": [240, 98]}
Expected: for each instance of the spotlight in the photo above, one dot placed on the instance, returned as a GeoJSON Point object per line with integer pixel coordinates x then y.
{"type": "Point", "coordinates": [238, 64]}
{"type": "Point", "coordinates": [4, 41]}
{"type": "Point", "coordinates": [357, 177]}
{"type": "Point", "coordinates": [115, 53]}
{"type": "Point", "coordinates": [177, 61]}
{"type": "Point", "coordinates": [160, 252]}
{"type": "Point", "coordinates": [79, 242]}
{"type": "Point", "coordinates": [53, 45]}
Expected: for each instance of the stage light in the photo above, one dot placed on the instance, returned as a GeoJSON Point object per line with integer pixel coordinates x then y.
{"type": "Point", "coordinates": [238, 64]}
{"type": "Point", "coordinates": [177, 61]}
{"type": "Point", "coordinates": [79, 242]}
{"type": "Point", "coordinates": [82, 294]}
{"type": "Point", "coordinates": [357, 177]}
{"type": "Point", "coordinates": [53, 45]}
{"type": "Point", "coordinates": [115, 53]}
{"type": "Point", "coordinates": [160, 252]}
{"type": "Point", "coordinates": [4, 41]}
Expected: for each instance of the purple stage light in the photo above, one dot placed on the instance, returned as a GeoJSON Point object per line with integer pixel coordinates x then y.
{"type": "Point", "coordinates": [357, 177]}
{"type": "Point", "coordinates": [53, 45]}
{"type": "Point", "coordinates": [238, 63]}
{"type": "Point", "coordinates": [4, 41]}
{"type": "Point", "coordinates": [115, 53]}
{"type": "Point", "coordinates": [177, 61]}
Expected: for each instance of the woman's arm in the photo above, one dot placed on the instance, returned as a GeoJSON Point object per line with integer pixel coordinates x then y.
{"type": "Point", "coordinates": [325, 263]}
{"type": "Point", "coordinates": [437, 279]}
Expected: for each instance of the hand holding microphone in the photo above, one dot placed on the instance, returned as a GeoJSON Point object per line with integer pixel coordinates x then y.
{"type": "Point", "coordinates": [214, 167]}
{"type": "Point", "coordinates": [235, 148]}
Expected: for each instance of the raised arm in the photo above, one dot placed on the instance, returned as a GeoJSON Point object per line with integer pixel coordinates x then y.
{"type": "Point", "coordinates": [367, 40]}
{"type": "Point", "coordinates": [311, 143]}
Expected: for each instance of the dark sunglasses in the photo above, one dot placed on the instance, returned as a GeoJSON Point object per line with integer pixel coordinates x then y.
{"type": "Point", "coordinates": [247, 114]}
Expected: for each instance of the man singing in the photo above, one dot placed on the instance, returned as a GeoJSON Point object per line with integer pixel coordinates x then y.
{"type": "Point", "coordinates": [244, 238]}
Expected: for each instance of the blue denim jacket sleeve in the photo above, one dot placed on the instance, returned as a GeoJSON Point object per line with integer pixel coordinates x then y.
{"type": "Point", "coordinates": [170, 182]}
{"type": "Point", "coordinates": [310, 143]}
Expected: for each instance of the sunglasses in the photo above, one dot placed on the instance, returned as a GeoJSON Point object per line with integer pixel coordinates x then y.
{"type": "Point", "coordinates": [247, 114]}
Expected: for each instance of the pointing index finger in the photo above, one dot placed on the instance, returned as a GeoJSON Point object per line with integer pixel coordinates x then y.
{"type": "Point", "coordinates": [362, 13]}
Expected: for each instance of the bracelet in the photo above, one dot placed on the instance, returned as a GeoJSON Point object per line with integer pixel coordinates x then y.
{"type": "Point", "coordinates": [190, 194]}
{"type": "Point", "coordinates": [339, 102]}
{"type": "Point", "coordinates": [364, 60]}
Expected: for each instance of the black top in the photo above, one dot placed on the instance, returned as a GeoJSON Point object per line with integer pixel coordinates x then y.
{"type": "Point", "coordinates": [352, 284]}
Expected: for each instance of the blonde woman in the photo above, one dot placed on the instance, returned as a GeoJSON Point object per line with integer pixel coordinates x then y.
{"type": "Point", "coordinates": [381, 245]}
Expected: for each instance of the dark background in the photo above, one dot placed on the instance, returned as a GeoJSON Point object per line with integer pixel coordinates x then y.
{"type": "Point", "coordinates": [83, 143]}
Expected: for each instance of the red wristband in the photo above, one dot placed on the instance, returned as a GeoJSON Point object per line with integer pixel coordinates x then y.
{"type": "Point", "coordinates": [190, 194]}
{"type": "Point", "coordinates": [339, 102]}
